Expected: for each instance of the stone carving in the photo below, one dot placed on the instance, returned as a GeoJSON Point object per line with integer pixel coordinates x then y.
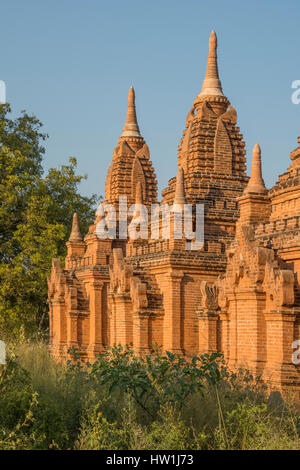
{"type": "Point", "coordinates": [72, 298]}
{"type": "Point", "coordinates": [120, 273]}
{"type": "Point", "coordinates": [137, 175]}
{"type": "Point", "coordinates": [144, 152]}
{"type": "Point", "coordinates": [208, 298]}
{"type": "Point", "coordinates": [138, 292]}
{"type": "Point", "coordinates": [122, 281]}
{"type": "Point", "coordinates": [190, 116]}
{"type": "Point", "coordinates": [279, 286]}
{"type": "Point", "coordinates": [56, 281]}
{"type": "Point", "coordinates": [186, 139]}
{"type": "Point", "coordinates": [246, 261]}
{"type": "Point", "coordinates": [125, 149]}
{"type": "Point", "coordinates": [251, 265]}
{"type": "Point", "coordinates": [222, 149]}
{"type": "Point", "coordinates": [223, 301]}
{"type": "Point", "coordinates": [230, 115]}
{"type": "Point", "coordinates": [206, 112]}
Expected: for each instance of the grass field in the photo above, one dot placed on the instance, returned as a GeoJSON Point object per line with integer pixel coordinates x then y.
{"type": "Point", "coordinates": [124, 402]}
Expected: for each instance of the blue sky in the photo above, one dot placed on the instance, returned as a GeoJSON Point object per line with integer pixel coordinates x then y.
{"type": "Point", "coordinates": [71, 62]}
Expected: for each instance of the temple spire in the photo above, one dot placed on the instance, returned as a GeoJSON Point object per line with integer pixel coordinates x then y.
{"type": "Point", "coordinates": [75, 232]}
{"type": "Point", "coordinates": [131, 128]}
{"type": "Point", "coordinates": [212, 85]}
{"type": "Point", "coordinates": [256, 183]}
{"type": "Point", "coordinates": [179, 190]}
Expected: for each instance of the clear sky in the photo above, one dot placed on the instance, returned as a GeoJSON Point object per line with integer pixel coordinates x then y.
{"type": "Point", "coordinates": [71, 62]}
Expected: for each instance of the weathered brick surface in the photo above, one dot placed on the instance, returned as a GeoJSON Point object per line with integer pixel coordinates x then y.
{"type": "Point", "coordinates": [239, 294]}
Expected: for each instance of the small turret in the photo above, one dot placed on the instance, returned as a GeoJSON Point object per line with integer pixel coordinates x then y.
{"type": "Point", "coordinates": [75, 235]}
{"type": "Point", "coordinates": [212, 85]}
{"type": "Point", "coordinates": [256, 183]}
{"type": "Point", "coordinates": [254, 204]}
{"type": "Point", "coordinates": [75, 244]}
{"type": "Point", "coordinates": [130, 163]}
{"type": "Point", "coordinates": [131, 127]}
{"type": "Point", "coordinates": [179, 190]}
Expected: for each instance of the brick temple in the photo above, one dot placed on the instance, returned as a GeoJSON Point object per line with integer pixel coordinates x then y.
{"type": "Point", "coordinates": [239, 294]}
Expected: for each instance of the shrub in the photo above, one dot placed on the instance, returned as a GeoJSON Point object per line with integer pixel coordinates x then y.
{"type": "Point", "coordinates": [159, 402]}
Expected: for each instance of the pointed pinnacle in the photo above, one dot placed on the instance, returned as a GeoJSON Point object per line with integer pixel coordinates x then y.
{"type": "Point", "coordinates": [256, 183]}
{"type": "Point", "coordinates": [212, 84]}
{"type": "Point", "coordinates": [179, 190]}
{"type": "Point", "coordinates": [131, 128]}
{"type": "Point", "coordinates": [75, 232]}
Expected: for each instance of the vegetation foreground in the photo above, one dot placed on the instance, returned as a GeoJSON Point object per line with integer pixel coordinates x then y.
{"type": "Point", "coordinates": [125, 402]}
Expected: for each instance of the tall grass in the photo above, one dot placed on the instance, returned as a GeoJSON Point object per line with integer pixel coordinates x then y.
{"type": "Point", "coordinates": [47, 405]}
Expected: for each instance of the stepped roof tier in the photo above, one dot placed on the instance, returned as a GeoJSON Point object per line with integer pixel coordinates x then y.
{"type": "Point", "coordinates": [131, 163]}
{"type": "Point", "coordinates": [212, 156]}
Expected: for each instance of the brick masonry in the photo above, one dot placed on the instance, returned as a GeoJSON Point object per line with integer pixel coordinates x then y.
{"type": "Point", "coordinates": [238, 295]}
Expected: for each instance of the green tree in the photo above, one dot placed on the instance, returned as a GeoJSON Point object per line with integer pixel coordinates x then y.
{"type": "Point", "coordinates": [36, 213]}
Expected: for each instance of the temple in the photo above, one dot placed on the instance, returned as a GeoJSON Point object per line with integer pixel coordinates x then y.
{"type": "Point", "coordinates": [238, 293]}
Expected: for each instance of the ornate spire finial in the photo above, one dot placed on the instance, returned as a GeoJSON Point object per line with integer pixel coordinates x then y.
{"type": "Point", "coordinates": [75, 232]}
{"type": "Point", "coordinates": [256, 183]}
{"type": "Point", "coordinates": [139, 193]}
{"type": "Point", "coordinates": [212, 85]}
{"type": "Point", "coordinates": [131, 128]}
{"type": "Point", "coordinates": [179, 191]}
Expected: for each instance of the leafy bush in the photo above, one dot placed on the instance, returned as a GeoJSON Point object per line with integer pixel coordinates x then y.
{"type": "Point", "coordinates": [161, 401]}
{"type": "Point", "coordinates": [156, 379]}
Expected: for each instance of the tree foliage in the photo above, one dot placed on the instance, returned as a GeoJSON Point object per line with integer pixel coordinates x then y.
{"type": "Point", "coordinates": [35, 219]}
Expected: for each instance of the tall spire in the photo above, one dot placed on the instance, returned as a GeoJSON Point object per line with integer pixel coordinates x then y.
{"type": "Point", "coordinates": [75, 232]}
{"type": "Point", "coordinates": [131, 128]}
{"type": "Point", "coordinates": [256, 183]}
{"type": "Point", "coordinates": [179, 190]}
{"type": "Point", "coordinates": [212, 85]}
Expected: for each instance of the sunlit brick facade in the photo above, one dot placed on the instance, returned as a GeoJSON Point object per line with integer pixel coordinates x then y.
{"type": "Point", "coordinates": [239, 294]}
